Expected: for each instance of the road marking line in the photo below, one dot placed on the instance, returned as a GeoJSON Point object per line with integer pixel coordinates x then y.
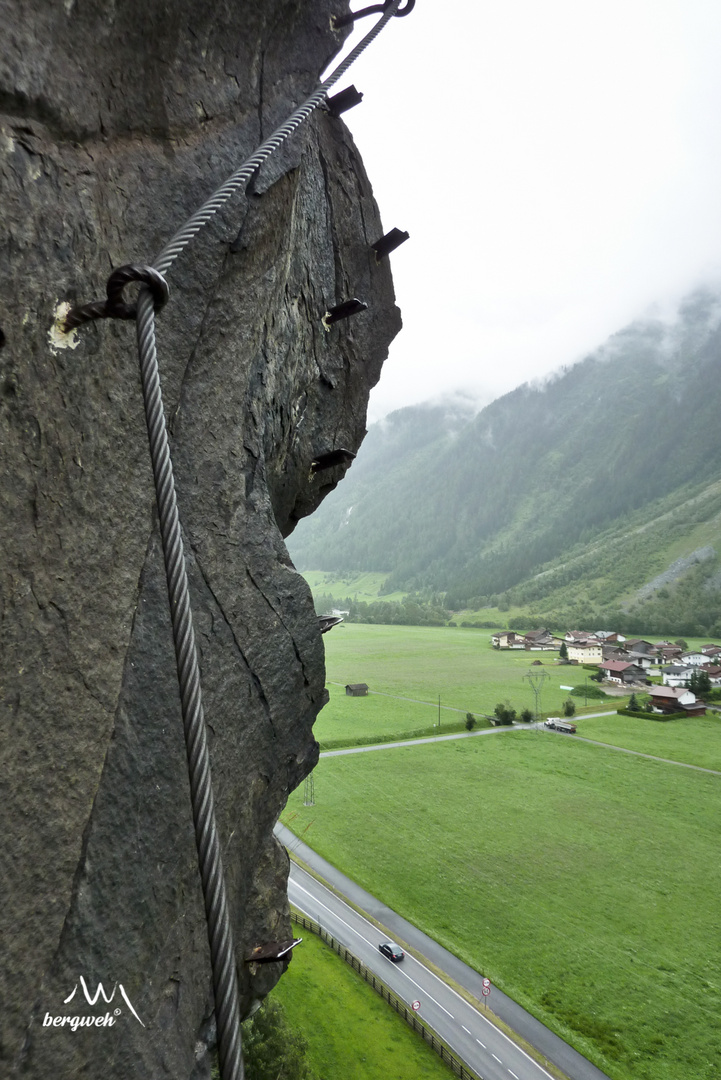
{"type": "Point", "coordinates": [513, 1075]}
{"type": "Point", "coordinates": [424, 991]}
{"type": "Point", "coordinates": [331, 912]}
{"type": "Point", "coordinates": [418, 986]}
{"type": "Point", "coordinates": [481, 1044]}
{"type": "Point", "coordinates": [497, 1059]}
{"type": "Point", "coordinates": [477, 1014]}
{"type": "Point", "coordinates": [465, 1028]}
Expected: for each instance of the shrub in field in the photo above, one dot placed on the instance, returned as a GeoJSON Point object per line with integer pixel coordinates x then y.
{"type": "Point", "coordinates": [470, 721]}
{"type": "Point", "coordinates": [588, 691]}
{"type": "Point", "coordinates": [526, 715]}
{"type": "Point", "coordinates": [505, 713]}
{"type": "Point", "coordinates": [569, 707]}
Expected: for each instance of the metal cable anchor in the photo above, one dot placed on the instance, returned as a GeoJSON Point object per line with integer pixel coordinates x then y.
{"type": "Point", "coordinates": [339, 21]}
{"type": "Point", "coordinates": [341, 456]}
{"type": "Point", "coordinates": [389, 242]}
{"type": "Point", "coordinates": [343, 101]}
{"type": "Point", "coordinates": [115, 307]}
{"type": "Point", "coordinates": [343, 311]}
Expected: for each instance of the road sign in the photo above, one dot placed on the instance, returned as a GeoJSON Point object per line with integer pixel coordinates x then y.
{"type": "Point", "coordinates": [485, 990]}
{"type": "Point", "coordinates": [486, 982]}
{"type": "Point", "coordinates": [416, 1006]}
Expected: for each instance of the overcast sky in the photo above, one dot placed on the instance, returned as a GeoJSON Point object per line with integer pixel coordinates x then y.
{"type": "Point", "coordinates": [558, 166]}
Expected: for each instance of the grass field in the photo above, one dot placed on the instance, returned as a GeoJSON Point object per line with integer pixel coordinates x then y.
{"type": "Point", "coordinates": [351, 1031]}
{"type": "Point", "coordinates": [349, 721]}
{"type": "Point", "coordinates": [693, 739]}
{"type": "Point", "coordinates": [363, 586]}
{"type": "Point", "coordinates": [583, 881]}
{"type": "Point", "coordinates": [421, 663]}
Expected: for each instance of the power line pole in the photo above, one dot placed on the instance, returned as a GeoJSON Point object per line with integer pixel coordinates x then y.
{"type": "Point", "coordinates": [536, 679]}
{"type": "Point", "coordinates": [309, 791]}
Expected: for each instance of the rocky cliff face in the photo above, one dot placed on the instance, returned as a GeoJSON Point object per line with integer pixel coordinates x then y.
{"type": "Point", "coordinates": [116, 122]}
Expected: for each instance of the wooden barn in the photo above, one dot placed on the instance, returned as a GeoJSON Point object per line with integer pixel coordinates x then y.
{"type": "Point", "coordinates": [358, 689]}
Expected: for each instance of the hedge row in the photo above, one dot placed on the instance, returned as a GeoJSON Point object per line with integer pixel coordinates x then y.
{"type": "Point", "coordinates": [651, 716]}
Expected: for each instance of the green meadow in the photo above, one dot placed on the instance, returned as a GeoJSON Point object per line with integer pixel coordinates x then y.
{"type": "Point", "coordinates": [350, 1030]}
{"type": "Point", "coordinates": [350, 721]}
{"type": "Point", "coordinates": [583, 881]}
{"type": "Point", "coordinates": [407, 668]}
{"type": "Point", "coordinates": [695, 740]}
{"type": "Point", "coordinates": [354, 586]}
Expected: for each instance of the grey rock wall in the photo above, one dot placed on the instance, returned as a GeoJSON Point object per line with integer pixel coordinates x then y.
{"type": "Point", "coordinates": [116, 121]}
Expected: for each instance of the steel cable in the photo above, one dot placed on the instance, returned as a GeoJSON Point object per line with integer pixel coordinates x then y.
{"type": "Point", "coordinates": [239, 179]}
{"type": "Point", "coordinates": [220, 935]}
{"type": "Point", "coordinates": [222, 951]}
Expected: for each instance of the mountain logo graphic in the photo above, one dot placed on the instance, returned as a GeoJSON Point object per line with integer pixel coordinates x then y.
{"type": "Point", "coordinates": [108, 1020]}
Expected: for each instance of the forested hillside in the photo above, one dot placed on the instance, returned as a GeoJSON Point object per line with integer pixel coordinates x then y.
{"type": "Point", "coordinates": [580, 492]}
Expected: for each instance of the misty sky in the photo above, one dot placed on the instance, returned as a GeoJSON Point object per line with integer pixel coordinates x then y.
{"type": "Point", "coordinates": [558, 166]}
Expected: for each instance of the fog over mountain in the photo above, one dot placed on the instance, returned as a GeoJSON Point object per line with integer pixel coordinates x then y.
{"type": "Point", "coordinates": [582, 490]}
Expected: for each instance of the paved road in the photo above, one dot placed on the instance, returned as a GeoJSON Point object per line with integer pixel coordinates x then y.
{"type": "Point", "coordinates": [472, 1037]}
{"type": "Point", "coordinates": [412, 742]}
{"type": "Point", "coordinates": [516, 727]}
{"type": "Point", "coordinates": [443, 738]}
{"type": "Point", "coordinates": [463, 1036]}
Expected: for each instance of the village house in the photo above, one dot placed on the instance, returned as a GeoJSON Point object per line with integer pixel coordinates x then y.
{"type": "Point", "coordinates": [641, 647]}
{"type": "Point", "coordinates": [588, 652]}
{"type": "Point", "coordinates": [676, 675]}
{"type": "Point", "coordinates": [508, 639]}
{"type": "Point", "coordinates": [642, 659]}
{"type": "Point", "coordinates": [623, 672]}
{"type": "Point", "coordinates": [714, 673]}
{"type": "Point", "coordinates": [693, 658]}
{"type": "Point", "coordinates": [669, 699]}
{"type": "Point", "coordinates": [542, 640]}
{"type": "Point", "coordinates": [614, 652]}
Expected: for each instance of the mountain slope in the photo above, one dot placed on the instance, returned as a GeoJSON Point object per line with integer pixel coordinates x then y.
{"type": "Point", "coordinates": [615, 459]}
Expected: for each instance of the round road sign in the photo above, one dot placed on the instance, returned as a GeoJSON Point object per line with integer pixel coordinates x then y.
{"type": "Point", "coordinates": [486, 982]}
{"type": "Point", "coordinates": [416, 1006]}
{"type": "Point", "coordinates": [486, 991]}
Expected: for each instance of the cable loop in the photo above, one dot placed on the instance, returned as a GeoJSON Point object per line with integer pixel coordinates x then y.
{"type": "Point", "coordinates": [115, 306]}
{"type": "Point", "coordinates": [340, 21]}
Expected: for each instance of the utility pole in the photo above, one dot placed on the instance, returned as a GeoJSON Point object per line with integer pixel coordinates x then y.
{"type": "Point", "coordinates": [536, 679]}
{"type": "Point", "coordinates": [439, 713]}
{"type": "Point", "coordinates": [309, 791]}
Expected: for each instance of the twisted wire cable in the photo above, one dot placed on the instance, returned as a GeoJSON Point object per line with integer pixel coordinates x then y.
{"type": "Point", "coordinates": [220, 935]}
{"type": "Point", "coordinates": [241, 177]}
